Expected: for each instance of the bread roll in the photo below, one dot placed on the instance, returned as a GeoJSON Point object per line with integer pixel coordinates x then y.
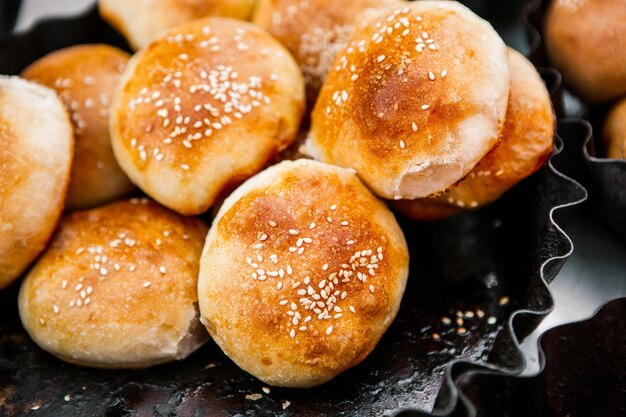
{"type": "Point", "coordinates": [415, 100]}
{"type": "Point", "coordinates": [141, 21]}
{"type": "Point", "coordinates": [527, 142]}
{"type": "Point", "coordinates": [586, 42]}
{"type": "Point", "coordinates": [202, 108]}
{"type": "Point", "coordinates": [35, 158]}
{"type": "Point", "coordinates": [614, 132]}
{"type": "Point", "coordinates": [301, 274]}
{"type": "Point", "coordinates": [314, 31]}
{"type": "Point", "coordinates": [85, 76]}
{"type": "Point", "coordinates": [117, 287]}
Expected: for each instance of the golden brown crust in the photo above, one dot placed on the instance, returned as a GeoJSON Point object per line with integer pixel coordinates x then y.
{"type": "Point", "coordinates": [415, 100]}
{"type": "Point", "coordinates": [614, 131]}
{"type": "Point", "coordinates": [314, 31]}
{"type": "Point", "coordinates": [141, 21]}
{"type": "Point", "coordinates": [204, 107]}
{"type": "Point", "coordinates": [279, 244]}
{"type": "Point", "coordinates": [527, 142]}
{"type": "Point", "coordinates": [586, 41]}
{"type": "Point", "coordinates": [84, 76]}
{"type": "Point", "coordinates": [36, 146]}
{"type": "Point", "coordinates": [117, 287]}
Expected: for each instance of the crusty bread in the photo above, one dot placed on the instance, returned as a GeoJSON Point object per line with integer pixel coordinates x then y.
{"type": "Point", "coordinates": [85, 76]}
{"type": "Point", "coordinates": [204, 107]}
{"type": "Point", "coordinates": [141, 21]}
{"type": "Point", "coordinates": [302, 272]}
{"type": "Point", "coordinates": [614, 131]}
{"type": "Point", "coordinates": [586, 42]}
{"type": "Point", "coordinates": [415, 100]}
{"type": "Point", "coordinates": [35, 158]}
{"type": "Point", "coordinates": [313, 31]}
{"type": "Point", "coordinates": [117, 287]}
{"type": "Point", "coordinates": [527, 142]}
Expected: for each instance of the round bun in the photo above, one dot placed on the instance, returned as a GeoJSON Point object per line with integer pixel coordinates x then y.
{"type": "Point", "coordinates": [415, 100]}
{"type": "Point", "coordinates": [526, 144]}
{"type": "Point", "coordinates": [117, 287]}
{"type": "Point", "coordinates": [203, 108]}
{"type": "Point", "coordinates": [141, 21]}
{"type": "Point", "coordinates": [35, 160]}
{"type": "Point", "coordinates": [314, 31]}
{"type": "Point", "coordinates": [586, 41]}
{"type": "Point", "coordinates": [302, 272]}
{"type": "Point", "coordinates": [614, 132]}
{"type": "Point", "coordinates": [85, 76]}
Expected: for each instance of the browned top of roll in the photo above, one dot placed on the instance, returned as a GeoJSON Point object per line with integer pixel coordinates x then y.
{"type": "Point", "coordinates": [415, 99]}
{"type": "Point", "coordinates": [527, 142]}
{"type": "Point", "coordinates": [586, 41]}
{"type": "Point", "coordinates": [302, 272]}
{"type": "Point", "coordinates": [117, 287]}
{"type": "Point", "coordinates": [204, 107]}
{"type": "Point", "coordinates": [84, 77]}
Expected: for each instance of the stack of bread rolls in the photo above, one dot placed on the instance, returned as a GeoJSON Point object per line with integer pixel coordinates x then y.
{"type": "Point", "coordinates": [304, 266]}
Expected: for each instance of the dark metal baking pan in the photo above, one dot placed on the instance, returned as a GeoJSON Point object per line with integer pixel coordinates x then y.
{"type": "Point", "coordinates": [495, 261]}
{"type": "Point", "coordinates": [605, 178]}
{"type": "Point", "coordinates": [584, 373]}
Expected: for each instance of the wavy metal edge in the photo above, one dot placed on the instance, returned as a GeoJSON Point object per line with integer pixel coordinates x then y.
{"type": "Point", "coordinates": [462, 368]}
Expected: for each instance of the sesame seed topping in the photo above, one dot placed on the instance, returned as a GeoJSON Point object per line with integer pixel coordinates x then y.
{"type": "Point", "coordinates": [402, 144]}
{"type": "Point", "coordinates": [503, 301]}
{"type": "Point", "coordinates": [491, 320]}
{"type": "Point", "coordinates": [329, 330]}
{"type": "Point", "coordinates": [146, 284]}
{"type": "Point", "coordinates": [425, 106]}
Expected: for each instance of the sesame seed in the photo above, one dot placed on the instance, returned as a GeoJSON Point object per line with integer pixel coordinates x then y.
{"type": "Point", "coordinates": [266, 390]}
{"type": "Point", "coordinates": [55, 309]}
{"type": "Point", "coordinates": [329, 330]}
{"type": "Point", "coordinates": [352, 309]}
{"type": "Point", "coordinates": [402, 144]}
{"type": "Point", "coordinates": [283, 302]}
{"type": "Point", "coordinates": [146, 284]}
{"type": "Point", "coordinates": [425, 106]}
{"type": "Point", "coordinates": [292, 333]}
{"type": "Point", "coordinates": [64, 284]}
{"type": "Point", "coordinates": [162, 269]}
{"type": "Point", "coordinates": [503, 301]}
{"type": "Point", "coordinates": [414, 126]}
{"type": "Point", "coordinates": [491, 320]}
{"type": "Point", "coordinates": [333, 207]}
{"type": "Point", "coordinates": [444, 73]}
{"type": "Point", "coordinates": [312, 225]}
{"type": "Point", "coordinates": [431, 75]}
{"type": "Point", "coordinates": [293, 232]}
{"type": "Point", "coordinates": [461, 330]}
{"type": "Point", "coordinates": [380, 58]}
{"type": "Point", "coordinates": [272, 223]}
{"type": "Point", "coordinates": [436, 336]}
{"type": "Point", "coordinates": [371, 288]}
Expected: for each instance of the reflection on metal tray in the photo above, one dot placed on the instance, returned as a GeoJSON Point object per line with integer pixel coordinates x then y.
{"type": "Point", "coordinates": [396, 375]}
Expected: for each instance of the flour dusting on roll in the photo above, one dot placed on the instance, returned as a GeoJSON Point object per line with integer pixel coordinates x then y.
{"type": "Point", "coordinates": [314, 31]}
{"type": "Point", "coordinates": [302, 272]}
{"type": "Point", "coordinates": [415, 100]}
